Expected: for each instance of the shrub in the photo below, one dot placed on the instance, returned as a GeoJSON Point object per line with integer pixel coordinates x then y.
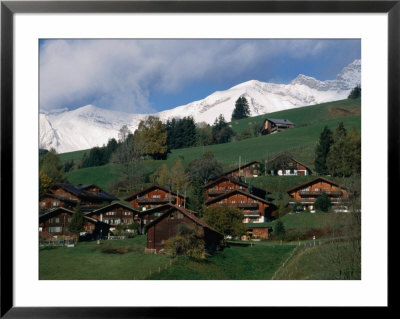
{"type": "Point", "coordinates": [322, 202]}
{"type": "Point", "coordinates": [188, 242]}
{"type": "Point", "coordinates": [279, 229]}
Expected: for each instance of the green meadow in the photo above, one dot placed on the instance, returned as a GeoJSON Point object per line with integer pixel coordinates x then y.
{"type": "Point", "coordinates": [299, 141]}
{"type": "Point", "coordinates": [90, 261]}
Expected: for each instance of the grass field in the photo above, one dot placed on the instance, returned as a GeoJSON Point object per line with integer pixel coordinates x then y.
{"type": "Point", "coordinates": [258, 262]}
{"type": "Point", "coordinates": [86, 261]}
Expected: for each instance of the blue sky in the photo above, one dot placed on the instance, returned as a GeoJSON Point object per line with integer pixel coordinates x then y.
{"type": "Point", "coordinates": [144, 76]}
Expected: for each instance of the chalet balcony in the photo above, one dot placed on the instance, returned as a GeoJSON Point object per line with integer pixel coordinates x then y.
{"type": "Point", "coordinates": [145, 200]}
{"type": "Point", "coordinates": [247, 205]}
{"type": "Point", "coordinates": [240, 205]}
{"type": "Point", "coordinates": [317, 193]}
{"type": "Point", "coordinates": [217, 191]}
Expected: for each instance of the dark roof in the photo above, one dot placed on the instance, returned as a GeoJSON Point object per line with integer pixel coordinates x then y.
{"type": "Point", "coordinates": [161, 208]}
{"type": "Point", "coordinates": [82, 192]}
{"type": "Point", "coordinates": [289, 157]}
{"type": "Point", "coordinates": [55, 210]}
{"type": "Point", "coordinates": [312, 182]}
{"type": "Point", "coordinates": [280, 121]}
{"type": "Point", "coordinates": [187, 213]}
{"type": "Point", "coordinates": [147, 189]}
{"type": "Point", "coordinates": [109, 207]}
{"type": "Point", "coordinates": [67, 200]}
{"type": "Point", "coordinates": [241, 166]}
{"type": "Point", "coordinates": [258, 225]}
{"type": "Point", "coordinates": [218, 198]}
{"type": "Point", "coordinates": [229, 178]}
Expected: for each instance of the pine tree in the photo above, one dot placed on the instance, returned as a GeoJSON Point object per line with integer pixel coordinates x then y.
{"type": "Point", "coordinates": [279, 229]}
{"type": "Point", "coordinates": [323, 202]}
{"type": "Point", "coordinates": [322, 150]}
{"type": "Point", "coordinates": [241, 109]}
{"type": "Point", "coordinates": [77, 224]}
{"type": "Point", "coordinates": [355, 93]}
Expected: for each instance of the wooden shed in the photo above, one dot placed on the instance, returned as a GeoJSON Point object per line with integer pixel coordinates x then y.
{"type": "Point", "coordinates": [275, 125]}
{"type": "Point", "coordinates": [167, 225]}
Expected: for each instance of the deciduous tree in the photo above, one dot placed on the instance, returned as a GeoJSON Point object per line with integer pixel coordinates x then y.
{"type": "Point", "coordinates": [226, 219]}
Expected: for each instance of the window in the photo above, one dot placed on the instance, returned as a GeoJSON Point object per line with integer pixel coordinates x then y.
{"type": "Point", "coordinates": [54, 203]}
{"type": "Point", "coordinates": [179, 216]}
{"type": "Point", "coordinates": [57, 220]}
{"type": "Point", "coordinates": [69, 219]}
{"type": "Point", "coordinates": [55, 229]}
{"type": "Point", "coordinates": [156, 196]}
{"type": "Point", "coordinates": [316, 189]}
{"type": "Point", "coordinates": [50, 220]}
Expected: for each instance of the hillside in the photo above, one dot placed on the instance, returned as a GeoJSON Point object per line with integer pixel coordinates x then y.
{"type": "Point", "coordinates": [300, 141]}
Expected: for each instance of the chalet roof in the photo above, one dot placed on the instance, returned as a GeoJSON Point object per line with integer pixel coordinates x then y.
{"type": "Point", "coordinates": [319, 178]}
{"type": "Point", "coordinates": [55, 210]}
{"type": "Point", "coordinates": [258, 225]}
{"type": "Point", "coordinates": [218, 198]}
{"type": "Point", "coordinates": [82, 192]}
{"type": "Point", "coordinates": [109, 207]}
{"type": "Point", "coordinates": [67, 200]}
{"type": "Point", "coordinates": [162, 208]}
{"type": "Point", "coordinates": [148, 189]}
{"type": "Point", "coordinates": [228, 178]}
{"type": "Point", "coordinates": [241, 166]}
{"type": "Point", "coordinates": [289, 157]}
{"type": "Point", "coordinates": [65, 210]}
{"type": "Point", "coordinates": [187, 213]}
{"type": "Point", "coordinates": [280, 121]}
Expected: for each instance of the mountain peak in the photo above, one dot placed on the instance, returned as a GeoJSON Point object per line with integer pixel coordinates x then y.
{"type": "Point", "coordinates": [90, 126]}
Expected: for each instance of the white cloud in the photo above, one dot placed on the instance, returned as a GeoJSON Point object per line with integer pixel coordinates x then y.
{"type": "Point", "coordinates": [120, 74]}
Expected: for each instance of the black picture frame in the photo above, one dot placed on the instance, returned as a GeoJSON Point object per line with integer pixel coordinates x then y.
{"type": "Point", "coordinates": [9, 8]}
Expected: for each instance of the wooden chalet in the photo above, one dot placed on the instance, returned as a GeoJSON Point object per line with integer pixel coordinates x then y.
{"type": "Point", "coordinates": [285, 165]}
{"type": "Point", "coordinates": [225, 184]}
{"type": "Point", "coordinates": [153, 196]}
{"type": "Point", "coordinates": [255, 209]}
{"type": "Point", "coordinates": [56, 222]}
{"type": "Point", "coordinates": [257, 231]}
{"type": "Point", "coordinates": [271, 126]}
{"type": "Point", "coordinates": [307, 193]}
{"type": "Point", "coordinates": [68, 196]}
{"type": "Point", "coordinates": [167, 225]}
{"type": "Point", "coordinates": [251, 169]}
{"type": "Point", "coordinates": [116, 214]}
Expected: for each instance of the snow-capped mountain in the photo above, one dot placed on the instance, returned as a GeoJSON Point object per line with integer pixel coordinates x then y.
{"type": "Point", "coordinates": [91, 126]}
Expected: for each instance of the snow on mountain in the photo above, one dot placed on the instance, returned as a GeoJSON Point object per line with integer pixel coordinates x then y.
{"type": "Point", "coordinates": [91, 126]}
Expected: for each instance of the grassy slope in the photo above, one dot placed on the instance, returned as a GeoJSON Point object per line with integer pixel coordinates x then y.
{"type": "Point", "coordinates": [307, 114]}
{"type": "Point", "coordinates": [299, 141]}
{"type": "Point", "coordinates": [258, 262]}
{"type": "Point", "coordinates": [87, 262]}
